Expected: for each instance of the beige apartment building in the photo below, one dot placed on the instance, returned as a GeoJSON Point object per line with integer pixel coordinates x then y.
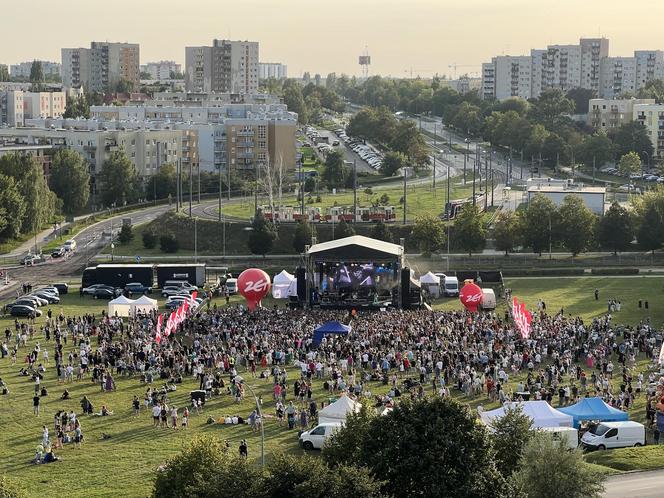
{"type": "Point", "coordinates": [101, 67]}
{"type": "Point", "coordinates": [16, 106]}
{"type": "Point", "coordinates": [226, 66]}
{"type": "Point", "coordinates": [605, 114]}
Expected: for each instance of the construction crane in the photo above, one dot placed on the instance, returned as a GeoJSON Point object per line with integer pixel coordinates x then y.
{"type": "Point", "coordinates": [454, 66]}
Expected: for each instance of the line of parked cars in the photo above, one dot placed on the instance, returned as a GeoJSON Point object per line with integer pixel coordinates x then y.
{"type": "Point", "coordinates": [649, 177]}
{"type": "Point", "coordinates": [370, 156]}
{"type": "Point", "coordinates": [59, 252]}
{"type": "Point", "coordinates": [176, 291]}
{"type": "Point", "coordinates": [28, 305]}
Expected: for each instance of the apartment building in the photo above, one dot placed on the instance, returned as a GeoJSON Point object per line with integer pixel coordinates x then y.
{"type": "Point", "coordinates": [649, 66]}
{"type": "Point", "coordinates": [593, 51]}
{"type": "Point", "coordinates": [512, 77]}
{"type": "Point", "coordinates": [101, 67]}
{"type": "Point", "coordinates": [652, 117]}
{"type": "Point", "coordinates": [161, 70]}
{"type": "Point", "coordinates": [226, 66]}
{"type": "Point", "coordinates": [272, 70]}
{"type": "Point", "coordinates": [463, 84]}
{"type": "Point", "coordinates": [605, 114]}
{"type": "Point", "coordinates": [23, 69]}
{"type": "Point", "coordinates": [16, 106]}
{"type": "Point", "coordinates": [618, 76]}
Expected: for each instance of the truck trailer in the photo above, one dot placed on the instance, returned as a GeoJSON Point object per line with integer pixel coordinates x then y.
{"type": "Point", "coordinates": [117, 275]}
{"type": "Point", "coordinates": [192, 273]}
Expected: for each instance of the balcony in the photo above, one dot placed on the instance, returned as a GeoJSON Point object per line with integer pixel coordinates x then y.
{"type": "Point", "coordinates": [246, 144]}
{"type": "Point", "coordinates": [245, 133]}
{"type": "Point", "coordinates": [245, 155]}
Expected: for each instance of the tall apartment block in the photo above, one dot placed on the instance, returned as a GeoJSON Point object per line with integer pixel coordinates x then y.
{"type": "Point", "coordinates": [101, 67]}
{"type": "Point", "coordinates": [226, 66]}
{"type": "Point", "coordinates": [272, 70]}
{"type": "Point", "coordinates": [23, 69]}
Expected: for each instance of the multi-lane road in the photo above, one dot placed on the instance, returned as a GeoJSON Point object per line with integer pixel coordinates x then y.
{"type": "Point", "coordinates": [636, 485]}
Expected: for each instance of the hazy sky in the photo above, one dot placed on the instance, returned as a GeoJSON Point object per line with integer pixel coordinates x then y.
{"type": "Point", "coordinates": [325, 36]}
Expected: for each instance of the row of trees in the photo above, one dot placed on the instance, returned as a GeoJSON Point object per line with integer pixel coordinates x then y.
{"type": "Point", "coordinates": [431, 447]}
{"type": "Point", "coordinates": [308, 101]}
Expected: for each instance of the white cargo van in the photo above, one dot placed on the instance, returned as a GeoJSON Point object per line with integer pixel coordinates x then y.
{"type": "Point", "coordinates": [488, 299]}
{"type": "Point", "coordinates": [316, 437]}
{"type": "Point", "coordinates": [568, 434]}
{"type": "Point", "coordinates": [614, 435]}
{"type": "Point", "coordinates": [231, 285]}
{"type": "Point", "coordinates": [70, 245]}
{"type": "Point", "coordinates": [451, 287]}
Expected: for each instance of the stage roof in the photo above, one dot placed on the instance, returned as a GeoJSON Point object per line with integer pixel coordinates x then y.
{"type": "Point", "coordinates": [355, 248]}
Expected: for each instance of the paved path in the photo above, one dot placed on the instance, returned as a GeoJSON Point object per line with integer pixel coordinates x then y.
{"type": "Point", "coordinates": [636, 485]}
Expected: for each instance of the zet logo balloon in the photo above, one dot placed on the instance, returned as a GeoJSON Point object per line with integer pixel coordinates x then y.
{"type": "Point", "coordinates": [471, 296]}
{"type": "Point", "coordinates": [253, 284]}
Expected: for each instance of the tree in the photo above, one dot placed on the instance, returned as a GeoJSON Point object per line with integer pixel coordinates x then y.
{"type": "Point", "coordinates": [409, 141]}
{"type": "Point", "coordinates": [149, 238]}
{"type": "Point", "coordinates": [469, 229]}
{"type": "Point", "coordinates": [164, 183]}
{"type": "Point", "coordinates": [295, 101]}
{"type": "Point", "coordinates": [12, 208]}
{"type": "Point", "coordinates": [262, 236]}
{"type": "Point", "coordinates": [576, 224]}
{"type": "Point", "coordinates": [392, 163]}
{"type": "Point", "coordinates": [540, 217]}
{"type": "Point", "coordinates": [168, 242]}
{"type": "Point", "coordinates": [381, 231]}
{"type": "Point", "coordinates": [653, 89]}
{"type": "Point", "coordinates": [126, 234]}
{"type": "Point", "coordinates": [118, 180]}
{"type": "Point", "coordinates": [430, 447]}
{"type": "Point", "coordinates": [581, 97]}
{"type": "Point", "coordinates": [4, 73]}
{"type": "Point", "coordinates": [509, 435]}
{"type": "Point", "coordinates": [36, 76]}
{"type": "Point", "coordinates": [507, 231]}
{"type": "Point", "coordinates": [597, 148]}
{"type": "Point", "coordinates": [547, 468]}
{"type": "Point", "coordinates": [335, 172]}
{"type": "Point", "coordinates": [344, 229]}
{"type": "Point", "coordinates": [205, 469]}
{"type": "Point", "coordinates": [428, 233]}
{"type": "Point", "coordinates": [302, 236]}
{"type": "Point", "coordinates": [629, 137]}
{"type": "Point", "coordinates": [11, 489]}
{"type": "Point", "coordinates": [629, 164]}
{"type": "Point", "coordinates": [616, 229]}
{"type": "Point", "coordinates": [77, 107]}
{"type": "Point", "coordinates": [551, 105]}
{"type": "Point", "coordinates": [70, 180]}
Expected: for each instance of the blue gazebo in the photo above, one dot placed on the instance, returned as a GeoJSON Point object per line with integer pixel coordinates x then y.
{"type": "Point", "coordinates": [333, 327]}
{"type": "Point", "coordinates": [594, 409]}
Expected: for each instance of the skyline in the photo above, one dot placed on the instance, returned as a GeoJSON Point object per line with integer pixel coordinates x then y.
{"type": "Point", "coordinates": [400, 35]}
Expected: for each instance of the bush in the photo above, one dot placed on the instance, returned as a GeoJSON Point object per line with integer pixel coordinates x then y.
{"type": "Point", "coordinates": [149, 239]}
{"type": "Point", "coordinates": [615, 271]}
{"type": "Point", "coordinates": [126, 234]}
{"type": "Point", "coordinates": [168, 243]}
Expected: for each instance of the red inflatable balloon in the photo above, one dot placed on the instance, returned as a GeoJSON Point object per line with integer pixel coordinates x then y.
{"type": "Point", "coordinates": [253, 284]}
{"type": "Point", "coordinates": [471, 296]}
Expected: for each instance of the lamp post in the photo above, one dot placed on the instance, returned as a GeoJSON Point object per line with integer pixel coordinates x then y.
{"type": "Point", "coordinates": [465, 159]}
{"type": "Point", "coordinates": [112, 251]}
{"type": "Point", "coordinates": [260, 414]}
{"type": "Point", "coordinates": [649, 161]}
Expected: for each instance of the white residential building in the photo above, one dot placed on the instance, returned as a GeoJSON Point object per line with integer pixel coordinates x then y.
{"type": "Point", "coordinates": [605, 114]}
{"type": "Point", "coordinates": [618, 76]}
{"type": "Point", "coordinates": [16, 106]}
{"type": "Point", "coordinates": [161, 70]}
{"type": "Point", "coordinates": [272, 70]}
{"type": "Point", "coordinates": [226, 66]}
{"type": "Point", "coordinates": [101, 67]}
{"type": "Point", "coordinates": [11, 108]}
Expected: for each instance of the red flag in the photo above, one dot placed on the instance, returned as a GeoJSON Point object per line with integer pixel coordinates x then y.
{"type": "Point", "coordinates": [522, 318]}
{"type": "Point", "coordinates": [157, 338]}
{"type": "Point", "coordinates": [170, 324]}
{"type": "Point", "coordinates": [185, 307]}
{"type": "Point", "coordinates": [160, 322]}
{"type": "Point", "coordinates": [194, 295]}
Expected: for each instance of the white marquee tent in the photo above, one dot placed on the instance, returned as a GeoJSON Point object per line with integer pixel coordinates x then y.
{"type": "Point", "coordinates": [120, 306]}
{"type": "Point", "coordinates": [338, 411]}
{"type": "Point", "coordinates": [144, 305]}
{"type": "Point", "coordinates": [431, 282]}
{"type": "Point", "coordinates": [541, 413]}
{"type": "Point", "coordinates": [284, 285]}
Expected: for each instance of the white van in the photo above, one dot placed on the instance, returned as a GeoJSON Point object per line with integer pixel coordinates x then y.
{"type": "Point", "coordinates": [70, 245]}
{"type": "Point", "coordinates": [316, 437]}
{"type": "Point", "coordinates": [231, 285]}
{"type": "Point", "coordinates": [568, 434]}
{"type": "Point", "coordinates": [488, 299]}
{"type": "Point", "coordinates": [451, 287]}
{"type": "Point", "coordinates": [614, 435]}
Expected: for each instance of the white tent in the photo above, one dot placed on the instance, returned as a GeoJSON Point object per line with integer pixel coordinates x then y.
{"type": "Point", "coordinates": [338, 411]}
{"type": "Point", "coordinates": [541, 413]}
{"type": "Point", "coordinates": [282, 284]}
{"type": "Point", "coordinates": [143, 305]}
{"type": "Point", "coordinates": [431, 282]}
{"type": "Point", "coordinates": [120, 306]}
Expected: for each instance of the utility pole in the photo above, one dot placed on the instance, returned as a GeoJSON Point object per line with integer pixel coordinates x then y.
{"type": "Point", "coordinates": [220, 202]}
{"type": "Point", "coordinates": [434, 171]}
{"type": "Point", "coordinates": [593, 168]}
{"type": "Point", "coordinates": [465, 160]}
{"type": "Point", "coordinates": [354, 191]}
{"type": "Point", "coordinates": [198, 166]}
{"type": "Point", "coordinates": [486, 181]}
{"type": "Point", "coordinates": [474, 167]}
{"type": "Point", "coordinates": [177, 184]}
{"type": "Point", "coordinates": [491, 168]}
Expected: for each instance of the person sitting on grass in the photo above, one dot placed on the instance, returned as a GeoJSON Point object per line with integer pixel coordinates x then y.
{"type": "Point", "coordinates": [105, 412]}
{"type": "Point", "coordinates": [65, 394]}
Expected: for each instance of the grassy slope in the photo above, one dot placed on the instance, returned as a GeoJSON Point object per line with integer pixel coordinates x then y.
{"type": "Point", "coordinates": [125, 463]}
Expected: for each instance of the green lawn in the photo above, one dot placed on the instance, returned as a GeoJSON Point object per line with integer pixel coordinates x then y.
{"type": "Point", "coordinates": [629, 459]}
{"type": "Point", "coordinates": [421, 199]}
{"type": "Point", "coordinates": [125, 463]}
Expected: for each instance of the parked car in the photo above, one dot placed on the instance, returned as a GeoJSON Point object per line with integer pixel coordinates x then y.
{"type": "Point", "coordinates": [48, 297]}
{"type": "Point", "coordinates": [50, 290]}
{"type": "Point", "coordinates": [104, 293]}
{"type": "Point", "coordinates": [180, 283]}
{"type": "Point", "coordinates": [172, 291]}
{"type": "Point", "coordinates": [33, 301]}
{"type": "Point", "coordinates": [62, 288]}
{"type": "Point", "coordinates": [90, 291]}
{"type": "Point", "coordinates": [137, 288]}
{"type": "Point", "coordinates": [25, 310]}
{"type": "Point", "coordinates": [231, 285]}
{"type": "Point", "coordinates": [175, 301]}
{"type": "Point", "coordinates": [58, 252]}
{"type": "Point", "coordinates": [32, 259]}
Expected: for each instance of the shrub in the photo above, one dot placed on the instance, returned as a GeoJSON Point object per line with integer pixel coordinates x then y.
{"type": "Point", "coordinates": [126, 234]}
{"type": "Point", "coordinates": [149, 239]}
{"type": "Point", "coordinates": [614, 271]}
{"type": "Point", "coordinates": [168, 243]}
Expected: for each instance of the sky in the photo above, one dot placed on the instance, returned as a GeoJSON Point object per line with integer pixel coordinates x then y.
{"type": "Point", "coordinates": [322, 36]}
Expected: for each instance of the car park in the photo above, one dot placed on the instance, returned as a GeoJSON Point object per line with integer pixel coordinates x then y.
{"type": "Point", "coordinates": [25, 311]}
{"type": "Point", "coordinates": [52, 289]}
{"type": "Point", "coordinates": [29, 301]}
{"type": "Point", "coordinates": [50, 298]}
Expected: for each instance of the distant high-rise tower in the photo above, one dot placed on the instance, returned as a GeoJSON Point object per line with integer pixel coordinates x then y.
{"type": "Point", "coordinates": [365, 62]}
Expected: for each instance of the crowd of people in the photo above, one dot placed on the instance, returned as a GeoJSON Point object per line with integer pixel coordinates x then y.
{"type": "Point", "coordinates": [409, 353]}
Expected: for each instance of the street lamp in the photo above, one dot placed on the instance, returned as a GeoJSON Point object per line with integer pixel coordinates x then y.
{"type": "Point", "coordinates": [649, 161]}
{"type": "Point", "coordinates": [112, 251]}
{"type": "Point", "coordinates": [465, 159]}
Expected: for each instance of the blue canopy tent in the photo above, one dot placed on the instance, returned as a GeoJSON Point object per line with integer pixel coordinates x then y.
{"type": "Point", "coordinates": [333, 327]}
{"type": "Point", "coordinates": [594, 409]}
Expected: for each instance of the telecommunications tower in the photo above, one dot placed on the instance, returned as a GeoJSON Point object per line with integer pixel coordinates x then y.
{"type": "Point", "coordinates": [365, 62]}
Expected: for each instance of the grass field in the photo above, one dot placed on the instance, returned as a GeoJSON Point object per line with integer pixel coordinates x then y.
{"type": "Point", "coordinates": [125, 463]}
{"type": "Point", "coordinates": [421, 199]}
